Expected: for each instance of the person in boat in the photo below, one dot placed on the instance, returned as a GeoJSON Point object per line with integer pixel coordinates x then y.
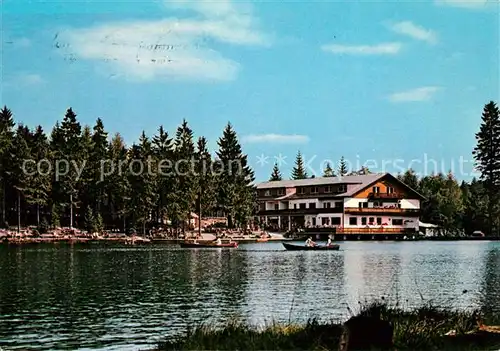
{"type": "Point", "coordinates": [309, 242]}
{"type": "Point", "coordinates": [329, 243]}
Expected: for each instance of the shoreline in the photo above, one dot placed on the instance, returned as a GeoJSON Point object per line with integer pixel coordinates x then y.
{"type": "Point", "coordinates": [158, 241]}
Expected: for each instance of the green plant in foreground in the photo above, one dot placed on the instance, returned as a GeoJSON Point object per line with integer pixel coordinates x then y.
{"type": "Point", "coordinates": [424, 328]}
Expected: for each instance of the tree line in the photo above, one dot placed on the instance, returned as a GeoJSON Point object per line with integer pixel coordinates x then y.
{"type": "Point", "coordinates": [454, 206]}
{"type": "Point", "coordinates": [51, 190]}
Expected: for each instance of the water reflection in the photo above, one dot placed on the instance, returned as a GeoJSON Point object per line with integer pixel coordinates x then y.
{"type": "Point", "coordinates": [118, 297]}
{"type": "Point", "coordinates": [490, 285]}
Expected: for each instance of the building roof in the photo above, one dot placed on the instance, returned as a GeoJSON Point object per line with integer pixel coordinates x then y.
{"type": "Point", "coordinates": [360, 181]}
{"type": "Point", "coordinates": [354, 179]}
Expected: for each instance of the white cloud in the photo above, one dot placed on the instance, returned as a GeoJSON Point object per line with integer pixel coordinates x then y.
{"type": "Point", "coordinates": [418, 94]}
{"type": "Point", "coordinates": [378, 49]}
{"type": "Point", "coordinates": [472, 4]}
{"type": "Point", "coordinates": [30, 79]}
{"type": "Point", "coordinates": [170, 47]}
{"type": "Point", "coordinates": [23, 80]}
{"type": "Point", "coordinates": [414, 31]}
{"type": "Point", "coordinates": [276, 138]}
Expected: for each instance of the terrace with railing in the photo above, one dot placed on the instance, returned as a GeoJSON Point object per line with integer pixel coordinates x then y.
{"type": "Point", "coordinates": [385, 195]}
{"type": "Point", "coordinates": [380, 209]}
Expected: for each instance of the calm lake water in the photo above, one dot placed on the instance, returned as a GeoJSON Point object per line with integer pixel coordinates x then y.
{"type": "Point", "coordinates": [111, 297]}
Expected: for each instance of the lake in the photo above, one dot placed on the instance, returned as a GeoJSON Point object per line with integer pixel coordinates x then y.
{"type": "Point", "coordinates": [130, 297]}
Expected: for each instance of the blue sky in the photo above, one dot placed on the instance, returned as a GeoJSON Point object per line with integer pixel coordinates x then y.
{"type": "Point", "coordinates": [381, 83]}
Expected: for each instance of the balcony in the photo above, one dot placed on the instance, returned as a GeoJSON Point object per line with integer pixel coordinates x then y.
{"type": "Point", "coordinates": [381, 210]}
{"type": "Point", "coordinates": [379, 230]}
{"type": "Point", "coordinates": [386, 196]}
{"type": "Point", "coordinates": [299, 211]}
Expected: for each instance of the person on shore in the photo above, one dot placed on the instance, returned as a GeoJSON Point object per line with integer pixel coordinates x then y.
{"type": "Point", "coordinates": [218, 241]}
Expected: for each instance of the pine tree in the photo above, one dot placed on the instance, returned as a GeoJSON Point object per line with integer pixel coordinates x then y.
{"type": "Point", "coordinates": [235, 192]}
{"type": "Point", "coordinates": [119, 186]}
{"type": "Point", "coordinates": [205, 179]}
{"type": "Point", "coordinates": [99, 223]}
{"type": "Point", "coordinates": [142, 178]}
{"type": "Point", "coordinates": [276, 174]}
{"type": "Point", "coordinates": [66, 143]}
{"type": "Point", "coordinates": [487, 157]}
{"type": "Point", "coordinates": [18, 176]}
{"type": "Point", "coordinates": [6, 136]}
{"type": "Point", "coordinates": [85, 187]}
{"type": "Point", "coordinates": [55, 218]}
{"type": "Point", "coordinates": [185, 180]}
{"type": "Point", "coordinates": [90, 222]}
{"type": "Point", "coordinates": [39, 191]}
{"type": "Point", "coordinates": [97, 157]}
{"type": "Point", "coordinates": [342, 167]}
{"type": "Point", "coordinates": [163, 153]}
{"type": "Point", "coordinates": [328, 171]}
{"type": "Point", "coordinates": [410, 179]}
{"type": "Point", "coordinates": [299, 172]}
{"type": "Point", "coordinates": [475, 206]}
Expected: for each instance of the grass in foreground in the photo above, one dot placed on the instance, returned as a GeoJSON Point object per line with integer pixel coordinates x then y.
{"type": "Point", "coordinates": [419, 329]}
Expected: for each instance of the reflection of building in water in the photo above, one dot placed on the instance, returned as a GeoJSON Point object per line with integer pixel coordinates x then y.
{"type": "Point", "coordinates": [294, 286]}
{"type": "Point", "coordinates": [440, 272]}
{"type": "Point", "coordinates": [414, 273]}
{"type": "Point", "coordinates": [372, 272]}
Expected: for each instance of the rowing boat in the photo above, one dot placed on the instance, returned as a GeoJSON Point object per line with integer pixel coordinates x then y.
{"type": "Point", "coordinates": [291, 247]}
{"type": "Point", "coordinates": [211, 246]}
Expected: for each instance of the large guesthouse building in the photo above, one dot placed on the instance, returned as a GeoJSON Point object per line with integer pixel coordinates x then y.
{"type": "Point", "coordinates": [358, 204]}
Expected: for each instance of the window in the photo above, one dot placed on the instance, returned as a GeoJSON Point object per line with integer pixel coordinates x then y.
{"type": "Point", "coordinates": [314, 221]}
{"type": "Point", "coordinates": [267, 193]}
{"type": "Point", "coordinates": [335, 220]}
{"type": "Point", "coordinates": [371, 220]}
{"type": "Point", "coordinates": [363, 220]}
{"type": "Point", "coordinates": [276, 206]}
{"type": "Point", "coordinates": [390, 190]}
{"type": "Point", "coordinates": [353, 220]}
{"type": "Point", "coordinates": [376, 190]}
{"type": "Point", "coordinates": [312, 205]}
{"type": "Point", "coordinates": [360, 205]}
{"type": "Point", "coordinates": [342, 188]}
{"type": "Point", "coordinates": [325, 221]}
{"type": "Point", "coordinates": [397, 222]}
{"type": "Point", "coordinates": [302, 191]}
{"type": "Point", "coordinates": [314, 190]}
{"type": "Point", "coordinates": [376, 204]}
{"type": "Point", "coordinates": [365, 204]}
{"type": "Point", "coordinates": [294, 206]}
{"type": "Point", "coordinates": [379, 221]}
{"type": "Point", "coordinates": [281, 191]}
{"type": "Point", "coordinates": [338, 204]}
{"type": "Point", "coordinates": [302, 206]}
{"type": "Point", "coordinates": [327, 205]}
{"type": "Point", "coordinates": [328, 189]}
